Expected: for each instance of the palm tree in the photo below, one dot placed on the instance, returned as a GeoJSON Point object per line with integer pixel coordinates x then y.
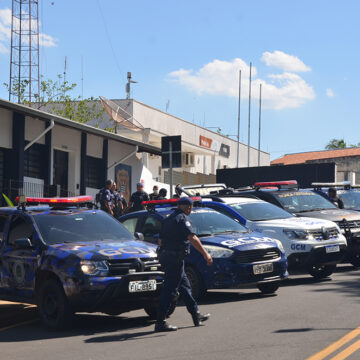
{"type": "Point", "coordinates": [336, 144]}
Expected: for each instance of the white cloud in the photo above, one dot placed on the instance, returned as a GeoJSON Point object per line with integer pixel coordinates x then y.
{"type": "Point", "coordinates": [279, 91]}
{"type": "Point", "coordinates": [329, 93]}
{"type": "Point", "coordinates": [5, 33]}
{"type": "Point", "coordinates": [285, 62]}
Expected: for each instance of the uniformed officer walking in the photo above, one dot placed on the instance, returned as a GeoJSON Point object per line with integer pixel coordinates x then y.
{"type": "Point", "coordinates": [135, 203]}
{"type": "Point", "coordinates": [175, 237]}
{"type": "Point", "coordinates": [118, 207]}
{"type": "Point", "coordinates": [106, 197]}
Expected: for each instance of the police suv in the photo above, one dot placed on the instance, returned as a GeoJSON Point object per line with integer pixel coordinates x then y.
{"type": "Point", "coordinates": [69, 259]}
{"type": "Point", "coordinates": [310, 244]}
{"type": "Point", "coordinates": [241, 257]}
{"type": "Point", "coordinates": [307, 203]}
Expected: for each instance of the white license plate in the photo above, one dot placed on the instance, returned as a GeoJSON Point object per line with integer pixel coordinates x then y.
{"type": "Point", "coordinates": [332, 248]}
{"type": "Point", "coordinates": [263, 268]}
{"type": "Point", "coordinates": [139, 286]}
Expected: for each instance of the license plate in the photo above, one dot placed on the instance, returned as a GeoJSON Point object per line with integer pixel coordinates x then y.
{"type": "Point", "coordinates": [332, 248]}
{"type": "Point", "coordinates": [263, 268]}
{"type": "Point", "coordinates": [139, 286]}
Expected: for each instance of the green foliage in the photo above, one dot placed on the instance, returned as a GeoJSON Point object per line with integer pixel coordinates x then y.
{"type": "Point", "coordinates": [8, 201]}
{"type": "Point", "coordinates": [56, 98]}
{"type": "Point", "coordinates": [336, 144]}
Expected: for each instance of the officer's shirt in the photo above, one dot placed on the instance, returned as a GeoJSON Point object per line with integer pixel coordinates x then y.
{"type": "Point", "coordinates": [106, 197]}
{"type": "Point", "coordinates": [174, 231]}
{"type": "Point", "coordinates": [137, 198]}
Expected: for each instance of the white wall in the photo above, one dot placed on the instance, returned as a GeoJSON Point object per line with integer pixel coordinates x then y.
{"type": "Point", "coordinates": [6, 128]}
{"type": "Point", "coordinates": [94, 146]}
{"type": "Point", "coordinates": [33, 128]}
{"type": "Point", "coordinates": [67, 139]}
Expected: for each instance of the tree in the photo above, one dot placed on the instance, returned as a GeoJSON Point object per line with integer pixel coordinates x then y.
{"type": "Point", "coordinates": [55, 97]}
{"type": "Point", "coordinates": [336, 144]}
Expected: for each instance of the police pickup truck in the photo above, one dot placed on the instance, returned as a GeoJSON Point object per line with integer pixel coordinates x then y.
{"type": "Point", "coordinates": [241, 257]}
{"type": "Point", "coordinates": [69, 259]}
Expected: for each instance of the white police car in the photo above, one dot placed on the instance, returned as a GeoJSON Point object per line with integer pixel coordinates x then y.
{"type": "Point", "coordinates": [310, 244]}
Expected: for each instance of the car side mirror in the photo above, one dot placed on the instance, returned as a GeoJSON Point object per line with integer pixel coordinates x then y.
{"type": "Point", "coordinates": [23, 243]}
{"type": "Point", "coordinates": [139, 236]}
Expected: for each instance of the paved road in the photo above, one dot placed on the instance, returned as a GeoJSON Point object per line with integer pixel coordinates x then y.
{"type": "Point", "coordinates": [303, 319]}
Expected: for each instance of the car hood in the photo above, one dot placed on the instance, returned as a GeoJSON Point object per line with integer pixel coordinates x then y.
{"type": "Point", "coordinates": [305, 223]}
{"type": "Point", "coordinates": [241, 242]}
{"type": "Point", "coordinates": [105, 250]}
{"type": "Point", "coordinates": [332, 214]}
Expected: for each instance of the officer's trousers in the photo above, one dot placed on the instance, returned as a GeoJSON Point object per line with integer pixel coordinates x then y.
{"type": "Point", "coordinates": [175, 280]}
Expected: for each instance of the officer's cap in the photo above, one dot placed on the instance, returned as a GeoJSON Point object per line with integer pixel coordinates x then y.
{"type": "Point", "coordinates": [185, 201]}
{"type": "Point", "coordinates": [140, 184]}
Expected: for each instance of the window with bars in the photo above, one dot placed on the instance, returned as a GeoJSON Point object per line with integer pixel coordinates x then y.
{"type": "Point", "coordinates": [34, 161]}
{"type": "Point", "coordinates": [94, 173]}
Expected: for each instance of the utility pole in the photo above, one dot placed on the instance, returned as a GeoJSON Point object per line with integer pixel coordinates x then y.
{"type": "Point", "coordinates": [249, 117]}
{"type": "Point", "coordinates": [238, 132]}
{"type": "Point", "coordinates": [259, 126]}
{"type": "Point", "coordinates": [128, 85]}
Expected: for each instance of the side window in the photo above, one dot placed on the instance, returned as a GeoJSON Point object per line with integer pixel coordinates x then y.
{"type": "Point", "coordinates": [19, 228]}
{"type": "Point", "coordinates": [3, 220]}
{"type": "Point", "coordinates": [130, 224]}
{"type": "Point", "coordinates": [151, 226]}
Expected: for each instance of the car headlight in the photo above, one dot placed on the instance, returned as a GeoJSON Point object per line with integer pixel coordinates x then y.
{"type": "Point", "coordinates": [90, 267]}
{"type": "Point", "coordinates": [218, 252]}
{"type": "Point", "coordinates": [280, 245]}
{"type": "Point", "coordinates": [296, 234]}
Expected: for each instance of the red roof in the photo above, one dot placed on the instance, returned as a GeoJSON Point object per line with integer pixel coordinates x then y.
{"type": "Point", "coordinates": [301, 158]}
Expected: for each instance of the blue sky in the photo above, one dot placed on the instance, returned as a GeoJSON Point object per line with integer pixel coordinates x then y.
{"type": "Point", "coordinates": [304, 53]}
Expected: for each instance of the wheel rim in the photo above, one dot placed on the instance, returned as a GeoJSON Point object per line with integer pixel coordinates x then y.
{"type": "Point", "coordinates": [51, 306]}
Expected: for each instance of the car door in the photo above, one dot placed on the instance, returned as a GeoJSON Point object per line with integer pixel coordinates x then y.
{"type": "Point", "coordinates": [20, 263]}
{"type": "Point", "coordinates": [151, 226]}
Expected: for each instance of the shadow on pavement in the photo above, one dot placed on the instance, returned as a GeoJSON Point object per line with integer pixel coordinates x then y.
{"type": "Point", "coordinates": [84, 325]}
{"type": "Point", "coordinates": [282, 331]}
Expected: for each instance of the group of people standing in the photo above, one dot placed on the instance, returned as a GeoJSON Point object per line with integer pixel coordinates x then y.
{"type": "Point", "coordinates": [114, 203]}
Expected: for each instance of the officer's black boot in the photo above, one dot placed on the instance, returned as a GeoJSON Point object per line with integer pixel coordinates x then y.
{"type": "Point", "coordinates": [198, 318]}
{"type": "Point", "coordinates": [163, 326]}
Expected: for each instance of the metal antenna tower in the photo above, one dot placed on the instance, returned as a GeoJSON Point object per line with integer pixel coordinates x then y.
{"type": "Point", "coordinates": [24, 54]}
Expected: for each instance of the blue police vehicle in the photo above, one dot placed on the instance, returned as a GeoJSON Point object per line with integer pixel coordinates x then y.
{"type": "Point", "coordinates": [67, 259]}
{"type": "Point", "coordinates": [241, 257]}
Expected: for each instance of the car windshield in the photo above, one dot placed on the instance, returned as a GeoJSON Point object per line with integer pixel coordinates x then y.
{"type": "Point", "coordinates": [303, 201]}
{"type": "Point", "coordinates": [210, 222]}
{"type": "Point", "coordinates": [258, 211]}
{"type": "Point", "coordinates": [65, 227]}
{"type": "Point", "coordinates": [351, 199]}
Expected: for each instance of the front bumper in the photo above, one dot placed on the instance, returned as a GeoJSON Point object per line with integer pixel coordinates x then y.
{"type": "Point", "coordinates": [111, 294]}
{"type": "Point", "coordinates": [317, 256]}
{"type": "Point", "coordinates": [228, 274]}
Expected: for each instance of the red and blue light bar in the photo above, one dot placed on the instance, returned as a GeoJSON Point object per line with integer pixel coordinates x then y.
{"type": "Point", "coordinates": [58, 200]}
{"type": "Point", "coordinates": [277, 184]}
{"type": "Point", "coordinates": [168, 201]}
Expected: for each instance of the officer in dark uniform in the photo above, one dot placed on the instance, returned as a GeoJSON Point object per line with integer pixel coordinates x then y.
{"type": "Point", "coordinates": [175, 238]}
{"type": "Point", "coordinates": [107, 198]}
{"type": "Point", "coordinates": [118, 207]}
{"type": "Point", "coordinates": [334, 198]}
{"type": "Point", "coordinates": [135, 203]}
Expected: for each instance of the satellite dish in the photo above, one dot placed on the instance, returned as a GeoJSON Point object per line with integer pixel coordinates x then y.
{"type": "Point", "coordinates": [119, 115]}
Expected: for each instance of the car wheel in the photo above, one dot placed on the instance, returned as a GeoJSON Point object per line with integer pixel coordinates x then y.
{"type": "Point", "coordinates": [152, 309]}
{"type": "Point", "coordinates": [355, 259]}
{"type": "Point", "coordinates": [197, 285]}
{"type": "Point", "coordinates": [268, 288]}
{"type": "Point", "coordinates": [320, 272]}
{"type": "Point", "coordinates": [53, 305]}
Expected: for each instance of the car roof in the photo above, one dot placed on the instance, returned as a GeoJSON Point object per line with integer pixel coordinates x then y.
{"type": "Point", "coordinates": [43, 209]}
{"type": "Point", "coordinates": [240, 200]}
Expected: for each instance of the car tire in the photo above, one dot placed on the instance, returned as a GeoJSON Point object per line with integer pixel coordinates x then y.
{"type": "Point", "coordinates": [54, 308]}
{"type": "Point", "coordinates": [354, 259]}
{"type": "Point", "coordinates": [198, 289]}
{"type": "Point", "coordinates": [268, 288]}
{"type": "Point", "coordinates": [320, 272]}
{"type": "Point", "coordinates": [152, 309]}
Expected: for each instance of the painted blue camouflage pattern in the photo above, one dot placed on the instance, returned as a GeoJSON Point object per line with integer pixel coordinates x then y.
{"type": "Point", "coordinates": [23, 270]}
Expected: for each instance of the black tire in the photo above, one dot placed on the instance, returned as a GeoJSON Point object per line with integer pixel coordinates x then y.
{"type": "Point", "coordinates": [268, 288]}
{"type": "Point", "coordinates": [54, 308]}
{"type": "Point", "coordinates": [152, 309]}
{"type": "Point", "coordinates": [355, 259]}
{"type": "Point", "coordinates": [197, 285]}
{"type": "Point", "coordinates": [320, 272]}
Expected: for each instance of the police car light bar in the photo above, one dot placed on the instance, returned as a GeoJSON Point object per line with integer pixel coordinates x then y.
{"type": "Point", "coordinates": [319, 184]}
{"type": "Point", "coordinates": [168, 201]}
{"type": "Point", "coordinates": [59, 200]}
{"type": "Point", "coordinates": [277, 184]}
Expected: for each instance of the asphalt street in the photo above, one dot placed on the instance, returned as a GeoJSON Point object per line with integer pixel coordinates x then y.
{"type": "Point", "coordinates": [306, 319]}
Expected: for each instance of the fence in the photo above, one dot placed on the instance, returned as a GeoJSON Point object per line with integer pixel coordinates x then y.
{"type": "Point", "coordinates": [187, 178]}
{"type": "Point", "coordinates": [13, 188]}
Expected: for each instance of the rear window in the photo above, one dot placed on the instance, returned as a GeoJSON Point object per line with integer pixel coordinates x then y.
{"type": "Point", "coordinates": [303, 201]}
{"type": "Point", "coordinates": [260, 211]}
{"type": "Point", "coordinates": [86, 226]}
